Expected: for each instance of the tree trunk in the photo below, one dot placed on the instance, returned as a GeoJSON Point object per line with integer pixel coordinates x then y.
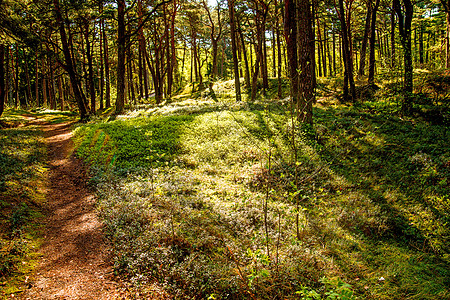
{"type": "Point", "coordinates": [362, 59]}
{"type": "Point", "coordinates": [392, 38]}
{"type": "Point", "coordinates": [90, 67]}
{"type": "Point", "coordinates": [306, 47]}
{"type": "Point", "coordinates": [234, 50]}
{"type": "Point", "coordinates": [102, 71]}
{"type": "Point", "coordinates": [290, 32]}
{"type": "Point", "coordinates": [371, 79]}
{"type": "Point", "coordinates": [279, 91]}
{"type": "Point", "coordinates": [405, 38]}
{"type": "Point", "coordinates": [346, 49]}
{"type": "Point", "coordinates": [2, 79]}
{"type": "Point", "coordinates": [36, 82]}
{"type": "Point", "coordinates": [44, 82]}
{"type": "Point", "coordinates": [27, 78]}
{"type": "Point", "coordinates": [78, 94]}
{"type": "Point", "coordinates": [121, 41]}
{"type": "Point", "coordinates": [244, 52]}
{"type": "Point", "coordinates": [107, 74]}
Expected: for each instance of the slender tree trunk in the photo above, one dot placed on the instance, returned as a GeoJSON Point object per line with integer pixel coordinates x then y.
{"type": "Point", "coordinates": [44, 82]}
{"type": "Point", "coordinates": [319, 49]}
{"type": "Point", "coordinates": [290, 31]}
{"type": "Point", "coordinates": [371, 79]}
{"type": "Point", "coordinates": [27, 78]}
{"type": "Point", "coordinates": [60, 93]}
{"type": "Point", "coordinates": [392, 38]}
{"type": "Point", "coordinates": [346, 49]}
{"type": "Point", "coordinates": [36, 82]}
{"type": "Point", "coordinates": [244, 52]}
{"type": "Point", "coordinates": [362, 59]}
{"type": "Point", "coordinates": [78, 94]}
{"type": "Point", "coordinates": [279, 91]}
{"type": "Point", "coordinates": [2, 79]}
{"type": "Point", "coordinates": [405, 38]}
{"type": "Point", "coordinates": [107, 74]}
{"type": "Point", "coordinates": [121, 41]}
{"type": "Point", "coordinates": [234, 50]}
{"type": "Point", "coordinates": [90, 67]}
{"type": "Point", "coordinates": [52, 96]}
{"type": "Point", "coordinates": [102, 68]}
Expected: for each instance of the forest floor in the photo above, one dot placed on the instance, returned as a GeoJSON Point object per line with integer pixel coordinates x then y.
{"type": "Point", "coordinates": [75, 262]}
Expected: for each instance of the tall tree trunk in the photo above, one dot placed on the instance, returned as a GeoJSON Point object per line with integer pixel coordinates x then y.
{"type": "Point", "coordinates": [371, 79]}
{"type": "Point", "coordinates": [52, 96]}
{"type": "Point", "coordinates": [107, 74]}
{"type": "Point", "coordinates": [405, 38]}
{"type": "Point", "coordinates": [78, 94]}
{"type": "Point", "coordinates": [244, 52]}
{"type": "Point", "coordinates": [60, 93]}
{"type": "Point", "coordinates": [121, 41]}
{"type": "Point", "coordinates": [101, 69]}
{"type": "Point", "coordinates": [306, 47]}
{"type": "Point", "coordinates": [362, 59]}
{"type": "Point", "coordinates": [290, 32]}
{"type": "Point", "coordinates": [90, 67]}
{"type": "Point", "coordinates": [346, 49]}
{"type": "Point", "coordinates": [27, 78]}
{"type": "Point", "coordinates": [319, 49]}
{"type": "Point", "coordinates": [392, 38]}
{"type": "Point", "coordinates": [36, 82]}
{"type": "Point", "coordinates": [237, 83]}
{"type": "Point", "coordinates": [44, 82]}
{"type": "Point", "coordinates": [279, 91]}
{"type": "Point", "coordinates": [2, 79]}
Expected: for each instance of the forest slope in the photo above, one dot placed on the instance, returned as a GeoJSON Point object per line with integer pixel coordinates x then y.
{"type": "Point", "coordinates": [230, 201]}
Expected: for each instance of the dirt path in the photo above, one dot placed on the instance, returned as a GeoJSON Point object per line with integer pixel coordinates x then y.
{"type": "Point", "coordinates": [75, 262]}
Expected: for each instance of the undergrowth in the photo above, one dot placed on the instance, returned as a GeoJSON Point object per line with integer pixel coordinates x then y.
{"type": "Point", "coordinates": [213, 203]}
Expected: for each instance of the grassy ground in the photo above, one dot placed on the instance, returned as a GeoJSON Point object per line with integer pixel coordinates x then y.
{"type": "Point", "coordinates": [217, 200]}
{"type": "Point", "coordinates": [22, 194]}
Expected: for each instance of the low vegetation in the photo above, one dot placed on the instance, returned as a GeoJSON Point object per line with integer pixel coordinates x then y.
{"type": "Point", "coordinates": [210, 199]}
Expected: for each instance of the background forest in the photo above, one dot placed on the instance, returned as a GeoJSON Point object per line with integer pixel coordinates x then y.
{"type": "Point", "coordinates": [247, 149]}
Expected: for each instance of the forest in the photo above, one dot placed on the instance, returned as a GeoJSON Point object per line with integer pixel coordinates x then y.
{"type": "Point", "coordinates": [239, 149]}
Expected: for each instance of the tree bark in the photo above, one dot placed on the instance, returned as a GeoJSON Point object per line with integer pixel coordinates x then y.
{"type": "Point", "coordinates": [2, 79]}
{"type": "Point", "coordinates": [107, 74]}
{"type": "Point", "coordinates": [69, 67]}
{"type": "Point", "coordinates": [121, 41]}
{"type": "Point", "coordinates": [90, 67]}
{"type": "Point", "coordinates": [404, 22]}
{"type": "Point", "coordinates": [234, 50]}
{"type": "Point", "coordinates": [306, 47]}
{"type": "Point", "coordinates": [346, 49]}
{"type": "Point", "coordinates": [362, 59]}
{"type": "Point", "coordinates": [290, 32]}
{"type": "Point", "coordinates": [371, 79]}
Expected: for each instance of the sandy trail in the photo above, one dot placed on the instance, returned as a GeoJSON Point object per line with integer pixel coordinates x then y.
{"type": "Point", "coordinates": [75, 263]}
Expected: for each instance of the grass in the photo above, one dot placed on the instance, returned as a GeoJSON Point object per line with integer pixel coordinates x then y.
{"type": "Point", "coordinates": [207, 199]}
{"type": "Point", "coordinates": [23, 171]}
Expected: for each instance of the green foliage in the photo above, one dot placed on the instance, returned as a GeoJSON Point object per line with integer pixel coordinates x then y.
{"type": "Point", "coordinates": [371, 202]}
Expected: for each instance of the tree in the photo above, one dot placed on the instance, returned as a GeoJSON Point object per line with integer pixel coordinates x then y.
{"type": "Point", "coordinates": [446, 5]}
{"type": "Point", "coordinates": [404, 13]}
{"type": "Point", "coordinates": [2, 79]}
{"type": "Point", "coordinates": [371, 78]}
{"type": "Point", "coordinates": [306, 67]}
{"type": "Point", "coordinates": [344, 17]}
{"type": "Point", "coordinates": [68, 63]}
{"type": "Point", "coordinates": [234, 50]}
